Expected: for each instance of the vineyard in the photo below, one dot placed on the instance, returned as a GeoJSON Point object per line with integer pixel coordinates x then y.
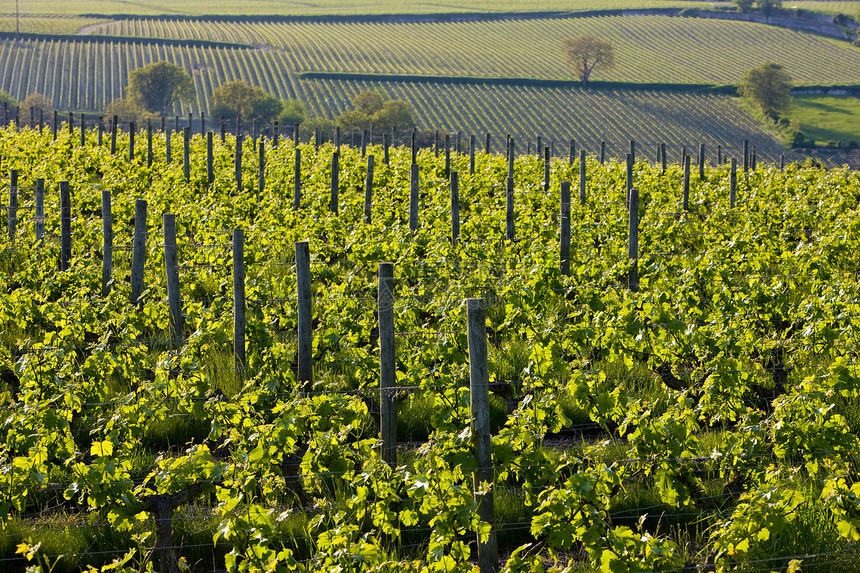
{"type": "Point", "coordinates": [567, 365]}
{"type": "Point", "coordinates": [649, 48]}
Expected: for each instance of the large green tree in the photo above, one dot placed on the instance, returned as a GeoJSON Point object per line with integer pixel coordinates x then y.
{"type": "Point", "coordinates": [769, 87]}
{"type": "Point", "coordinates": [157, 86]}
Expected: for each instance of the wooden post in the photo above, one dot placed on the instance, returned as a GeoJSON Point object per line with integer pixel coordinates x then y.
{"type": "Point", "coordinates": [487, 145]}
{"type": "Point", "coordinates": [149, 143]}
{"type": "Point", "coordinates": [387, 367]}
{"type": "Point", "coordinates": [55, 126]}
{"type": "Point", "coordinates": [138, 253]}
{"type": "Point", "coordinates": [546, 165]}
{"type": "Point", "coordinates": [210, 160]}
{"type": "Point", "coordinates": [83, 130]}
{"type": "Point", "coordinates": [171, 270]}
{"type": "Point", "coordinates": [65, 226]}
{"type": "Point", "coordinates": [261, 169]}
{"type": "Point", "coordinates": [203, 123]}
{"type": "Point", "coordinates": [368, 190]}
{"type": "Point", "coordinates": [131, 134]}
{"type": "Point", "coordinates": [629, 184]}
{"type": "Point", "coordinates": [168, 146]}
{"type": "Point", "coordinates": [305, 332]}
{"type": "Point", "coordinates": [414, 197]}
{"type": "Point", "coordinates": [564, 248]}
{"type": "Point", "coordinates": [337, 138]}
{"type": "Point", "coordinates": [447, 155]}
{"type": "Point", "coordinates": [511, 153]}
{"type": "Point", "coordinates": [472, 143]}
{"type": "Point", "coordinates": [455, 205]}
{"type": "Point", "coordinates": [633, 150]}
{"type": "Point", "coordinates": [719, 155]}
{"type": "Point", "coordinates": [386, 143]}
{"type": "Point", "coordinates": [509, 209]}
{"type": "Point", "coordinates": [40, 210]}
{"type": "Point", "coordinates": [781, 161]}
{"type": "Point", "coordinates": [335, 182]}
{"type": "Point", "coordinates": [296, 135]}
{"type": "Point", "coordinates": [107, 241]}
{"type": "Point", "coordinates": [701, 162]}
{"type": "Point", "coordinates": [663, 157]}
{"type": "Point", "coordinates": [733, 183]}
{"type": "Point", "coordinates": [186, 153]}
{"type": "Point", "coordinates": [746, 156]}
{"type": "Point", "coordinates": [686, 197]}
{"type": "Point", "coordinates": [633, 247]}
{"type": "Point", "coordinates": [582, 167]}
{"type": "Point", "coordinates": [12, 215]}
{"type": "Point", "coordinates": [71, 124]}
{"type": "Point", "coordinates": [571, 153]}
{"type": "Point", "coordinates": [414, 147]}
{"type": "Point", "coordinates": [297, 180]}
{"type": "Point", "coordinates": [753, 160]}
{"type": "Point", "coordinates": [239, 298]}
{"type": "Point", "coordinates": [276, 134]}
{"type": "Point", "coordinates": [238, 166]}
{"type": "Point", "coordinates": [602, 152]}
{"type": "Point", "coordinates": [484, 476]}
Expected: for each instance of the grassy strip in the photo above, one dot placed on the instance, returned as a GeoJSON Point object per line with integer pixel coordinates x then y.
{"type": "Point", "coordinates": [828, 120]}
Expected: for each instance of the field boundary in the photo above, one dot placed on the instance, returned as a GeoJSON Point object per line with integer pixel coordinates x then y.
{"type": "Point", "coordinates": [121, 40]}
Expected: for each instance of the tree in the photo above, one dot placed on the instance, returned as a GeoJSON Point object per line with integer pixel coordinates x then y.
{"type": "Point", "coordinates": [588, 54]}
{"type": "Point", "coordinates": [769, 87]}
{"type": "Point", "coordinates": [231, 99]}
{"type": "Point", "coordinates": [368, 102]}
{"type": "Point", "coordinates": [7, 99]}
{"type": "Point", "coordinates": [265, 109]}
{"type": "Point", "coordinates": [128, 110]}
{"type": "Point", "coordinates": [768, 6]}
{"type": "Point", "coordinates": [292, 113]}
{"type": "Point", "coordinates": [394, 113]}
{"type": "Point", "coordinates": [744, 6]}
{"type": "Point", "coordinates": [37, 102]}
{"type": "Point", "coordinates": [157, 86]}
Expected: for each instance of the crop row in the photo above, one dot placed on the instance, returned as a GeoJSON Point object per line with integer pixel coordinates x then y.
{"type": "Point", "coordinates": [648, 48]}
{"type": "Point", "coordinates": [88, 75]}
{"type": "Point", "coordinates": [727, 387]}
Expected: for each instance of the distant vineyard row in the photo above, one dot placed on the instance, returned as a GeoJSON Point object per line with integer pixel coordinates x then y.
{"type": "Point", "coordinates": [88, 75]}
{"type": "Point", "coordinates": [649, 48]}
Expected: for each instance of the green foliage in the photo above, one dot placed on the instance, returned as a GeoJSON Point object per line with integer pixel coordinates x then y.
{"type": "Point", "coordinates": [744, 6]}
{"type": "Point", "coordinates": [292, 112]}
{"type": "Point", "coordinates": [7, 99]}
{"type": "Point", "coordinates": [769, 87]}
{"type": "Point", "coordinates": [372, 110]}
{"type": "Point", "coordinates": [157, 86]}
{"type": "Point", "coordinates": [768, 6]}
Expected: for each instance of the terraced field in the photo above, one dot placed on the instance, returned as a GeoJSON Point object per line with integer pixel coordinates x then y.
{"type": "Point", "coordinates": [649, 48]}
{"type": "Point", "coordinates": [46, 24]}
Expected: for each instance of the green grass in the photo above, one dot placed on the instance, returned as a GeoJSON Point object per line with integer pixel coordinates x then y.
{"type": "Point", "coordinates": [826, 119]}
{"type": "Point", "coordinates": [46, 25]}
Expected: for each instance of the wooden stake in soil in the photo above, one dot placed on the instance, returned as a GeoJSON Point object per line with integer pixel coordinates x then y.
{"type": "Point", "coordinates": [487, 145]}
{"type": "Point", "coordinates": [261, 169]}
{"type": "Point", "coordinates": [297, 180]}
{"type": "Point", "coordinates": [149, 143]}
{"type": "Point", "coordinates": [40, 211]}
{"type": "Point", "coordinates": [131, 133]}
{"type": "Point", "coordinates": [447, 155]}
{"type": "Point", "coordinates": [629, 184]}
{"type": "Point", "coordinates": [305, 330]}
{"type": "Point", "coordinates": [546, 165]}
{"type": "Point", "coordinates": [733, 183]}
{"type": "Point", "coordinates": [663, 157]}
{"type": "Point", "coordinates": [335, 182]}
{"type": "Point", "coordinates": [701, 162]}
{"type": "Point", "coordinates": [186, 153]}
{"type": "Point", "coordinates": [65, 226]}
{"type": "Point", "coordinates": [238, 165]}
{"type": "Point", "coordinates": [582, 177]}
{"type": "Point", "coordinates": [455, 206]}
{"type": "Point", "coordinates": [509, 209]}
{"type": "Point", "coordinates": [746, 156]}
{"type": "Point", "coordinates": [387, 368]}
{"type": "Point", "coordinates": [12, 215]}
{"type": "Point", "coordinates": [368, 190]}
{"type": "Point", "coordinates": [210, 160]}
{"type": "Point", "coordinates": [414, 197]}
{"type": "Point", "coordinates": [107, 241]}
{"type": "Point", "coordinates": [633, 247]}
{"type": "Point", "coordinates": [171, 271]}
{"type": "Point", "coordinates": [602, 152]}
{"type": "Point", "coordinates": [564, 248]}
{"type": "Point", "coordinates": [138, 252]}
{"type": "Point", "coordinates": [239, 298]}
{"type": "Point", "coordinates": [686, 197]}
{"type": "Point", "coordinates": [386, 143]}
{"type": "Point", "coordinates": [484, 476]}
{"type": "Point", "coordinates": [571, 153]}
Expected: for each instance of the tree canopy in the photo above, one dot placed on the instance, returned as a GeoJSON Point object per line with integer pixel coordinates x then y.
{"type": "Point", "coordinates": [157, 86]}
{"type": "Point", "coordinates": [588, 54]}
{"type": "Point", "coordinates": [769, 87]}
{"type": "Point", "coordinates": [372, 109]}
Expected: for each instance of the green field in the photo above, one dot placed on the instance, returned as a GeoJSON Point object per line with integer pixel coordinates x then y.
{"type": "Point", "coordinates": [828, 119]}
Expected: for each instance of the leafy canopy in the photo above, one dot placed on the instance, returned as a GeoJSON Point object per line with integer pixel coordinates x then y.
{"type": "Point", "coordinates": [588, 54]}
{"type": "Point", "coordinates": [371, 109]}
{"type": "Point", "coordinates": [157, 86]}
{"type": "Point", "coordinates": [769, 87]}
